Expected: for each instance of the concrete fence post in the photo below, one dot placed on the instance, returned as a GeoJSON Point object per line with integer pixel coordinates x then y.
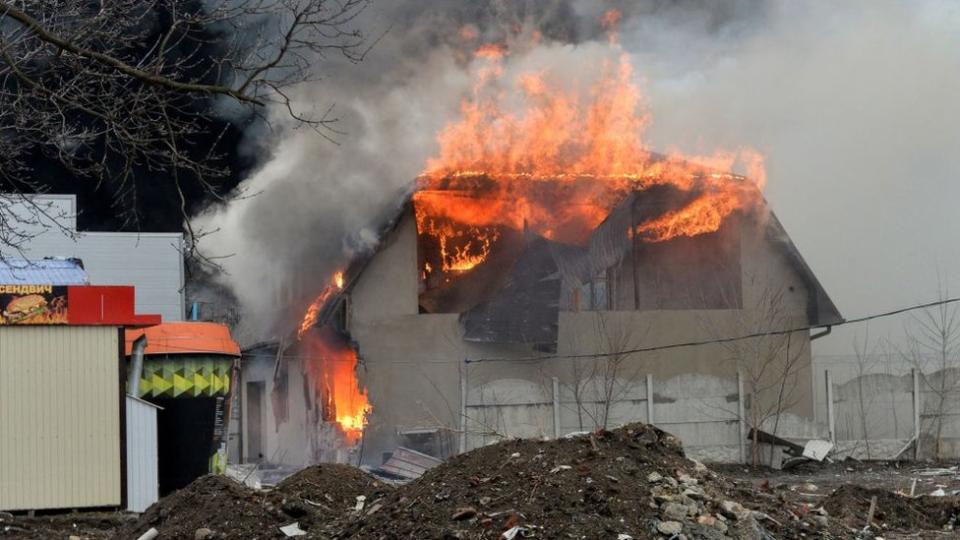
{"type": "Point", "coordinates": [916, 413]}
{"type": "Point", "coordinates": [556, 408]}
{"type": "Point", "coordinates": [742, 419]}
{"type": "Point", "coordinates": [463, 408]}
{"type": "Point", "coordinates": [649, 399]}
{"type": "Point", "coordinates": [831, 421]}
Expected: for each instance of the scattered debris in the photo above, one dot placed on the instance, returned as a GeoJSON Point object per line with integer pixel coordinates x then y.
{"type": "Point", "coordinates": [670, 528]}
{"type": "Point", "coordinates": [630, 483]}
{"type": "Point", "coordinates": [850, 503]}
{"type": "Point", "coordinates": [873, 509]}
{"type": "Point", "coordinates": [464, 513]}
{"type": "Point", "coordinates": [293, 529]}
{"type": "Point", "coordinates": [941, 471]}
{"type": "Point", "coordinates": [149, 535]}
{"type": "Point", "coordinates": [817, 449]}
{"type": "Point", "coordinates": [405, 464]}
{"type": "Point", "coordinates": [633, 482]}
{"type": "Point", "coordinates": [315, 497]}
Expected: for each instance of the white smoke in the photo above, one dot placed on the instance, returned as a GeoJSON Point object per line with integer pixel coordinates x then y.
{"type": "Point", "coordinates": [853, 104]}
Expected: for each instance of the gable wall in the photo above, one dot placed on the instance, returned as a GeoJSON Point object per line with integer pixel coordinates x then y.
{"type": "Point", "coordinates": [413, 364]}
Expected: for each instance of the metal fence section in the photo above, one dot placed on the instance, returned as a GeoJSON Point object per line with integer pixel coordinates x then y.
{"type": "Point", "coordinates": [704, 411]}
{"type": "Point", "coordinates": [143, 483]}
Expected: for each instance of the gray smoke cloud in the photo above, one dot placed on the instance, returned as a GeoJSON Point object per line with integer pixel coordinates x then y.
{"type": "Point", "coordinates": [853, 105]}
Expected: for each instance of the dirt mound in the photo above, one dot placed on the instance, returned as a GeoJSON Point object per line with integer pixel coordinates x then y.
{"type": "Point", "coordinates": [217, 503]}
{"type": "Point", "coordinates": [634, 481]}
{"type": "Point", "coordinates": [851, 504]}
{"type": "Point", "coordinates": [335, 486]}
{"type": "Point", "coordinates": [217, 507]}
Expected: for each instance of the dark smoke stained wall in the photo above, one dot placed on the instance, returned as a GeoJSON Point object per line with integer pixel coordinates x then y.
{"type": "Point", "coordinates": [417, 366]}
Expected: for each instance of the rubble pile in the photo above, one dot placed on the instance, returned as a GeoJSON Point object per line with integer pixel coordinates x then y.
{"type": "Point", "coordinates": [210, 504]}
{"type": "Point", "coordinates": [215, 507]}
{"type": "Point", "coordinates": [330, 491]}
{"type": "Point", "coordinates": [633, 482]}
{"type": "Point", "coordinates": [851, 504]}
{"type": "Point", "coordinates": [627, 484]}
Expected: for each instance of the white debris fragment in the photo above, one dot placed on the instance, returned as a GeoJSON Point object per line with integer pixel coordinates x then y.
{"type": "Point", "coordinates": [511, 533]}
{"type": "Point", "coordinates": [149, 535]}
{"type": "Point", "coordinates": [943, 471]}
{"type": "Point", "coordinates": [939, 492]}
{"type": "Point", "coordinates": [624, 536]}
{"type": "Point", "coordinates": [817, 449]}
{"type": "Point", "coordinates": [559, 468]}
{"type": "Point", "coordinates": [361, 499]}
{"type": "Point", "coordinates": [293, 529]}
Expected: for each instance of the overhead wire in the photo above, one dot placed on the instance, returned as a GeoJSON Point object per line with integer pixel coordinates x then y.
{"type": "Point", "coordinates": [651, 348]}
{"type": "Point", "coordinates": [730, 339]}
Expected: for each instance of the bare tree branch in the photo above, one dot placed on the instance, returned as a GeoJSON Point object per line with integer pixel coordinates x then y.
{"type": "Point", "coordinates": [132, 92]}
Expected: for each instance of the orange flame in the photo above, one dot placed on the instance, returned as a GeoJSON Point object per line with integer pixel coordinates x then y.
{"type": "Point", "coordinates": [331, 366]}
{"type": "Point", "coordinates": [494, 163]}
{"type": "Point", "coordinates": [610, 21]}
{"type": "Point", "coordinates": [313, 311]}
{"type": "Point", "coordinates": [491, 51]}
{"type": "Point", "coordinates": [703, 215]}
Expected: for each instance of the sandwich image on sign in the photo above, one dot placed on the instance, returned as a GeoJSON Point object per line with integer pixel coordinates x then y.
{"type": "Point", "coordinates": [33, 309]}
{"type": "Point", "coordinates": [22, 308]}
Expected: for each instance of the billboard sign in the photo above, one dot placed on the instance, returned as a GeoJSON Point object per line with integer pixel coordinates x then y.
{"type": "Point", "coordinates": [33, 304]}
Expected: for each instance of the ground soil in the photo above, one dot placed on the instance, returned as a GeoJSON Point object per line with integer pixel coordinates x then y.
{"type": "Point", "coordinates": [313, 497]}
{"type": "Point", "coordinates": [87, 525]}
{"type": "Point", "coordinates": [851, 504]}
{"type": "Point", "coordinates": [633, 482]}
{"type": "Point", "coordinates": [845, 489]}
{"type": "Point", "coordinates": [894, 476]}
{"type": "Point", "coordinates": [599, 486]}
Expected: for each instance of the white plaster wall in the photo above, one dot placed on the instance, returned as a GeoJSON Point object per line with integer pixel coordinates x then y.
{"type": "Point", "coordinates": [285, 442]}
{"type": "Point", "coordinates": [413, 364]}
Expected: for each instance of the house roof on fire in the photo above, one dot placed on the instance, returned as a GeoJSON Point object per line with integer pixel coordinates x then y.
{"type": "Point", "coordinates": [530, 289]}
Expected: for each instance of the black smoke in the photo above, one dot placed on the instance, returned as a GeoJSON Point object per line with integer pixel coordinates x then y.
{"type": "Point", "coordinates": [148, 200]}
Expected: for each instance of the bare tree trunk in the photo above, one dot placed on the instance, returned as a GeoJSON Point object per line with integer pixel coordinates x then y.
{"type": "Point", "coordinates": [863, 414]}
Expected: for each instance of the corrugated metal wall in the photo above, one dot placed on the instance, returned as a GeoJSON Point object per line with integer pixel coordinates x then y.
{"type": "Point", "coordinates": [143, 482]}
{"type": "Point", "coordinates": [152, 262]}
{"type": "Point", "coordinates": [59, 417]}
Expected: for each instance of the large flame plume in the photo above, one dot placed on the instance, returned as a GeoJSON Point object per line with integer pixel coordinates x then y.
{"type": "Point", "coordinates": [496, 162]}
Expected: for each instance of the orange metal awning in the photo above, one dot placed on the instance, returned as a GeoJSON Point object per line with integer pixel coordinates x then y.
{"type": "Point", "coordinates": [185, 338]}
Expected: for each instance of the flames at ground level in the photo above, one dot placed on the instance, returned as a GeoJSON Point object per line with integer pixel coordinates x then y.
{"type": "Point", "coordinates": [330, 364]}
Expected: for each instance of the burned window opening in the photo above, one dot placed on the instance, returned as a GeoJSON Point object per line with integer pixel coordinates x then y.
{"type": "Point", "coordinates": [508, 278]}
{"type": "Point", "coordinates": [594, 295]}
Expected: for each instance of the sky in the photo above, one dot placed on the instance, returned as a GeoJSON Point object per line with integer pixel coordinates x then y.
{"type": "Point", "coordinates": [855, 107]}
{"type": "Point", "coordinates": [854, 104]}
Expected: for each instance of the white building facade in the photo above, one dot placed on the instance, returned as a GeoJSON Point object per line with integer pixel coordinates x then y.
{"type": "Point", "coordinates": [151, 262]}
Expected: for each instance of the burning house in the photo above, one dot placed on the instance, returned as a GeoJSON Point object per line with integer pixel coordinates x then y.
{"type": "Point", "coordinates": [539, 280]}
{"type": "Point", "coordinates": [454, 334]}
